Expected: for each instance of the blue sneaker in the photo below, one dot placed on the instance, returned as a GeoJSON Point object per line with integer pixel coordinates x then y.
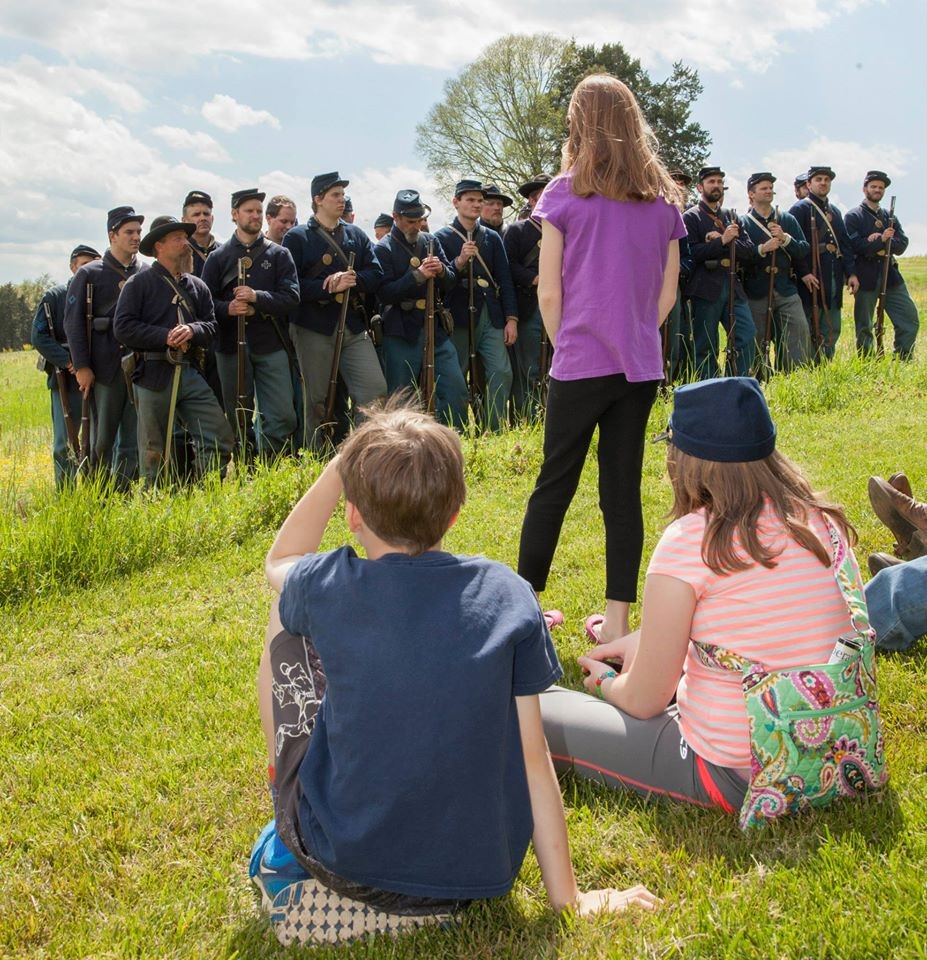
{"type": "Point", "coordinates": [272, 867]}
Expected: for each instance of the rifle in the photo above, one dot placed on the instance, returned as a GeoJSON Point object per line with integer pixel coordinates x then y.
{"type": "Point", "coordinates": [428, 358]}
{"type": "Point", "coordinates": [472, 368]}
{"type": "Point", "coordinates": [765, 368]}
{"type": "Point", "coordinates": [84, 452]}
{"type": "Point", "coordinates": [544, 365]}
{"type": "Point", "coordinates": [667, 347]}
{"type": "Point", "coordinates": [241, 402]}
{"type": "Point", "coordinates": [817, 294]}
{"type": "Point", "coordinates": [730, 362]}
{"type": "Point", "coordinates": [327, 426]}
{"type": "Point", "coordinates": [883, 286]}
{"type": "Point", "coordinates": [61, 382]}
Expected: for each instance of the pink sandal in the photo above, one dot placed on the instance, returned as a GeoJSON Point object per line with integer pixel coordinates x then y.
{"type": "Point", "coordinates": [553, 618]}
{"type": "Point", "coordinates": [593, 621]}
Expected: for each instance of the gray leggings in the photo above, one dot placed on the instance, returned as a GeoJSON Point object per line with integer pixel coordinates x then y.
{"type": "Point", "coordinates": [602, 743]}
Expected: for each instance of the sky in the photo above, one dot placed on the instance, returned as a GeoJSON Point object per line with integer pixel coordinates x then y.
{"type": "Point", "coordinates": [136, 103]}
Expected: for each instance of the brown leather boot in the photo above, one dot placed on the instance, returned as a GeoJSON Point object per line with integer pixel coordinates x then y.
{"type": "Point", "coordinates": [884, 499]}
{"type": "Point", "coordinates": [917, 545]}
{"type": "Point", "coordinates": [901, 483]}
{"type": "Point", "coordinates": [879, 561]}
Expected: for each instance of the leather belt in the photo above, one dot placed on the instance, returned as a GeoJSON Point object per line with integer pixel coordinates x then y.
{"type": "Point", "coordinates": [162, 355]}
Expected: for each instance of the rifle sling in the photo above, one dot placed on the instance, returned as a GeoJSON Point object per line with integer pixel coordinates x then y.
{"type": "Point", "coordinates": [479, 256]}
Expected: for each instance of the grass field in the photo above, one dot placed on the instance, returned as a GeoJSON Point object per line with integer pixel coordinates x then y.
{"type": "Point", "coordinates": [132, 781]}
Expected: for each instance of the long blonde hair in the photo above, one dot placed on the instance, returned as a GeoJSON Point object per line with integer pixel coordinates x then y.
{"type": "Point", "coordinates": [611, 150]}
{"type": "Point", "coordinates": [734, 494]}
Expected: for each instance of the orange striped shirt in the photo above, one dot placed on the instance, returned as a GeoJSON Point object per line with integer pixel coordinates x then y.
{"type": "Point", "coordinates": [786, 616]}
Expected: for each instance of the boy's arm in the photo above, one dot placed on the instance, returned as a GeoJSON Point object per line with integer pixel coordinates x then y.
{"type": "Point", "coordinates": [551, 844]}
{"type": "Point", "coordinates": [303, 529]}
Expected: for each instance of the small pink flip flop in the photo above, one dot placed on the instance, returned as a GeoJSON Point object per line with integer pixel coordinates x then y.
{"type": "Point", "coordinates": [593, 621]}
{"type": "Point", "coordinates": [553, 618]}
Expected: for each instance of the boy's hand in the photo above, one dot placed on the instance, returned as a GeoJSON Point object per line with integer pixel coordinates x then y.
{"type": "Point", "coordinates": [614, 901]}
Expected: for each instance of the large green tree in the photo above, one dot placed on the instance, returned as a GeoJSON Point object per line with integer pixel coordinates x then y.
{"type": "Point", "coordinates": [18, 302]}
{"type": "Point", "coordinates": [503, 118]}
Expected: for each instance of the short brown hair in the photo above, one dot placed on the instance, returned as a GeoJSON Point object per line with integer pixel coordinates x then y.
{"type": "Point", "coordinates": [404, 473]}
{"type": "Point", "coordinates": [734, 494]}
{"type": "Point", "coordinates": [275, 203]}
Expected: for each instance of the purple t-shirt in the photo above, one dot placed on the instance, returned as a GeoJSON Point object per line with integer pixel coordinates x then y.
{"type": "Point", "coordinates": [614, 255]}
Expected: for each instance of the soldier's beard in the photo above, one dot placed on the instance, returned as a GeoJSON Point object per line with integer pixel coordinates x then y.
{"type": "Point", "coordinates": [411, 236]}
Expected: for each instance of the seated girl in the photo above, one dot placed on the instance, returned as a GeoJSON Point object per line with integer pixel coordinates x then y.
{"type": "Point", "coordinates": [746, 565]}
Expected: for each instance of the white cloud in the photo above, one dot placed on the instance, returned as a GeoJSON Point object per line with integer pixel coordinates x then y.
{"type": "Point", "coordinates": [201, 145]}
{"type": "Point", "coordinates": [227, 113]}
{"type": "Point", "coordinates": [714, 35]}
{"type": "Point", "coordinates": [81, 81]}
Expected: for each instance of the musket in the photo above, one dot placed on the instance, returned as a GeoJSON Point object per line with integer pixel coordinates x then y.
{"type": "Point", "coordinates": [241, 402]}
{"type": "Point", "coordinates": [817, 293]}
{"type": "Point", "coordinates": [61, 382]}
{"type": "Point", "coordinates": [667, 347]}
{"type": "Point", "coordinates": [883, 286]}
{"type": "Point", "coordinates": [472, 368]}
{"type": "Point", "coordinates": [84, 452]}
{"type": "Point", "coordinates": [544, 365]}
{"type": "Point", "coordinates": [765, 369]}
{"type": "Point", "coordinates": [327, 426]}
{"type": "Point", "coordinates": [731, 349]}
{"type": "Point", "coordinates": [428, 357]}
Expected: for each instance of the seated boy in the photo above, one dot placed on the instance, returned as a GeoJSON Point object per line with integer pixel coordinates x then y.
{"type": "Point", "coordinates": [415, 782]}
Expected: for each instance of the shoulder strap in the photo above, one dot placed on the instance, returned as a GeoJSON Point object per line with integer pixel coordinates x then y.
{"type": "Point", "coordinates": [330, 240]}
{"type": "Point", "coordinates": [181, 298]}
{"type": "Point", "coordinates": [827, 222]}
{"type": "Point", "coordinates": [476, 234]}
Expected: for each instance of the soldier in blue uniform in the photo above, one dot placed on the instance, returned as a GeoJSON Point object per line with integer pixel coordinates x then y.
{"type": "Point", "coordinates": [494, 204]}
{"type": "Point", "coordinates": [382, 226]}
{"type": "Point", "coordinates": [838, 263]}
{"type": "Point", "coordinates": [49, 340]}
{"type": "Point", "coordinates": [197, 209]}
{"type": "Point", "coordinates": [800, 186]}
{"type": "Point", "coordinates": [97, 357]}
{"type": "Point", "coordinates": [496, 309]}
{"type": "Point", "coordinates": [710, 231]}
{"type": "Point", "coordinates": [403, 255]}
{"type": "Point", "coordinates": [320, 250]}
{"type": "Point", "coordinates": [869, 229]}
{"type": "Point", "coordinates": [164, 315]}
{"type": "Point", "coordinates": [522, 242]}
{"type": "Point", "coordinates": [265, 299]}
{"type": "Point", "coordinates": [779, 241]}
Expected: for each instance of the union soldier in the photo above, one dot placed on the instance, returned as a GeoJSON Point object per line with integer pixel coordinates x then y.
{"type": "Point", "coordinates": [163, 314]}
{"type": "Point", "coordinates": [779, 242]}
{"type": "Point", "coordinates": [496, 309]}
{"type": "Point", "coordinates": [48, 338]}
{"type": "Point", "coordinates": [197, 209]}
{"type": "Point", "coordinates": [711, 230]}
{"type": "Point", "coordinates": [522, 242]}
{"type": "Point", "coordinates": [869, 229]}
{"type": "Point", "coordinates": [494, 202]}
{"type": "Point", "coordinates": [838, 262]}
{"type": "Point", "coordinates": [280, 214]}
{"type": "Point", "coordinates": [800, 186]}
{"type": "Point", "coordinates": [382, 225]}
{"type": "Point", "coordinates": [348, 213]}
{"type": "Point", "coordinates": [269, 292]}
{"type": "Point", "coordinates": [97, 357]}
{"type": "Point", "coordinates": [681, 356]}
{"type": "Point", "coordinates": [320, 249]}
{"type": "Point", "coordinates": [403, 255]}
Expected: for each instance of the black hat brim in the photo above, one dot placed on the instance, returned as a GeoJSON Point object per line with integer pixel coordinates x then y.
{"type": "Point", "coordinates": [146, 247]}
{"type": "Point", "coordinates": [532, 186]}
{"type": "Point", "coordinates": [506, 201]}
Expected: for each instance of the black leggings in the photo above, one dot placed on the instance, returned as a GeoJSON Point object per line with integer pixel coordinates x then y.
{"type": "Point", "coordinates": [574, 409]}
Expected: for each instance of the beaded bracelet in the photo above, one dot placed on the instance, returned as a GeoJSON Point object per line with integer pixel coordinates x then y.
{"type": "Point", "coordinates": [606, 675]}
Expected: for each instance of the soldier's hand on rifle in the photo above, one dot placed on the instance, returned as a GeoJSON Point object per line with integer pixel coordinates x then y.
{"type": "Point", "coordinates": [888, 233]}
{"type": "Point", "coordinates": [510, 333]}
{"type": "Point", "coordinates": [712, 235]}
{"type": "Point", "coordinates": [432, 267]}
{"type": "Point", "coordinates": [776, 230]}
{"type": "Point", "coordinates": [811, 282]}
{"type": "Point", "coordinates": [467, 252]}
{"type": "Point", "coordinates": [85, 380]}
{"type": "Point", "coordinates": [873, 237]}
{"type": "Point", "coordinates": [245, 293]}
{"type": "Point", "coordinates": [853, 284]}
{"type": "Point", "coordinates": [336, 282]}
{"type": "Point", "coordinates": [770, 245]}
{"type": "Point", "coordinates": [179, 336]}
{"type": "Point", "coordinates": [238, 308]}
{"type": "Point", "coordinates": [731, 232]}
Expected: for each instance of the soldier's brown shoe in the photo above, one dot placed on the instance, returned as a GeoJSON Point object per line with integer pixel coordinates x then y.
{"type": "Point", "coordinates": [884, 499]}
{"type": "Point", "coordinates": [917, 545]}
{"type": "Point", "coordinates": [901, 483]}
{"type": "Point", "coordinates": [879, 561]}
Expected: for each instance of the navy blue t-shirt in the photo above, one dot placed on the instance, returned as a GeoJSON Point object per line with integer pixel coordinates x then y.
{"type": "Point", "coordinates": [414, 780]}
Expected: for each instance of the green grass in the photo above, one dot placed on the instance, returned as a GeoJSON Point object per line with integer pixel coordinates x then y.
{"type": "Point", "coordinates": [132, 782]}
